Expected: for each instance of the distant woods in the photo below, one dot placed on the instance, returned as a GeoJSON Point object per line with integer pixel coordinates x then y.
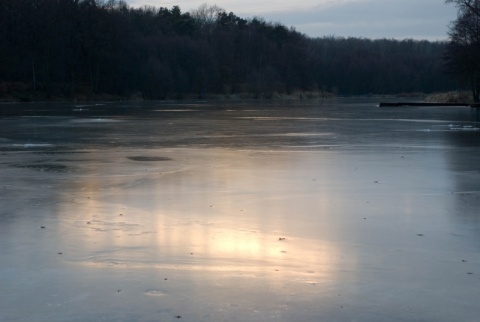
{"type": "Point", "coordinates": [70, 48]}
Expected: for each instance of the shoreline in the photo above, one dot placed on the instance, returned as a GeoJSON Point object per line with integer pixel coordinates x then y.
{"type": "Point", "coordinates": [23, 93]}
{"type": "Point", "coordinates": [452, 98]}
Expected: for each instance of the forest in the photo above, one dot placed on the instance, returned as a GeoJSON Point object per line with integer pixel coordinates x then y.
{"type": "Point", "coordinates": [85, 48]}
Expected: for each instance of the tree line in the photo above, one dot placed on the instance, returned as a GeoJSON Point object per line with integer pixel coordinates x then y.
{"type": "Point", "coordinates": [65, 47]}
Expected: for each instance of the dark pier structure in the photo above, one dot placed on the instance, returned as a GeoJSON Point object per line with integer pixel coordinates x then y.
{"type": "Point", "coordinates": [400, 104]}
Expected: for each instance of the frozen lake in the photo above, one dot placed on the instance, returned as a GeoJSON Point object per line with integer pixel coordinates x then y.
{"type": "Point", "coordinates": [333, 210]}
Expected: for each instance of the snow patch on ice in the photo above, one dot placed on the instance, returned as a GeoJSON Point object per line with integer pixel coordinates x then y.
{"type": "Point", "coordinates": [33, 145]}
{"type": "Point", "coordinates": [97, 120]}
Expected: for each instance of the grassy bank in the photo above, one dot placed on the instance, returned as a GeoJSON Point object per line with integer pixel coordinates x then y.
{"type": "Point", "coordinates": [450, 97]}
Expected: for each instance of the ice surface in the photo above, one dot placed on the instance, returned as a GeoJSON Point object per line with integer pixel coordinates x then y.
{"type": "Point", "coordinates": [202, 216]}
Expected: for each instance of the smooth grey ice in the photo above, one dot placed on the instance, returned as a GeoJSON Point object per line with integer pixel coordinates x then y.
{"type": "Point", "coordinates": [312, 210]}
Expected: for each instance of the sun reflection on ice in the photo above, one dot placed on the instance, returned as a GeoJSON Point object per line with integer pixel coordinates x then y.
{"type": "Point", "coordinates": [191, 219]}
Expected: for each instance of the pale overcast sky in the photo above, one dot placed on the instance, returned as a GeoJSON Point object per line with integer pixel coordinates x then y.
{"type": "Point", "coordinates": [400, 19]}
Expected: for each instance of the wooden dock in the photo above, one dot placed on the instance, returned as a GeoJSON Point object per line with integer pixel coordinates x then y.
{"type": "Point", "coordinates": [400, 104]}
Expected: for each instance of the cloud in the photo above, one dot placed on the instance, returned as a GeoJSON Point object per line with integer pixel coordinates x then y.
{"type": "Point", "coordinates": [185, 5]}
{"type": "Point", "coordinates": [247, 7]}
{"type": "Point", "coordinates": [426, 19]}
{"type": "Point", "coordinates": [418, 19]}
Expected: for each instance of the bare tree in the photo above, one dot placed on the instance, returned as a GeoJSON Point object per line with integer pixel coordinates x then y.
{"type": "Point", "coordinates": [206, 15]}
{"type": "Point", "coordinates": [463, 50]}
{"type": "Point", "coordinates": [466, 5]}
